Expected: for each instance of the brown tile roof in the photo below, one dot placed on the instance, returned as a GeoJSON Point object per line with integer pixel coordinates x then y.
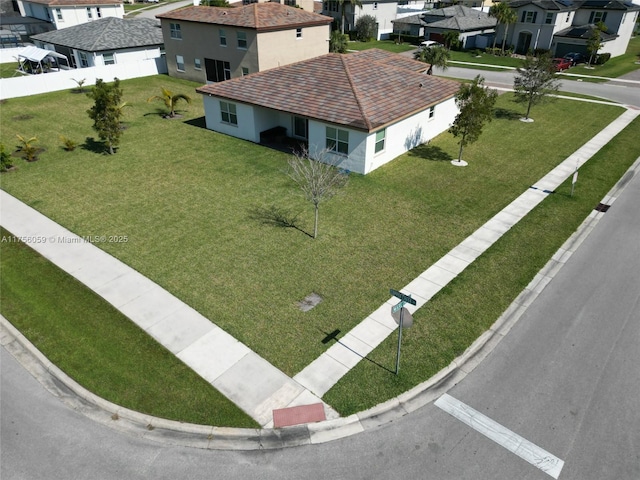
{"type": "Point", "coordinates": [258, 16]}
{"type": "Point", "coordinates": [365, 90]}
{"type": "Point", "coordinates": [71, 3]}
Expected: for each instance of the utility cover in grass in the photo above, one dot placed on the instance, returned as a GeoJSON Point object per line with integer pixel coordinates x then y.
{"type": "Point", "coordinates": [309, 302]}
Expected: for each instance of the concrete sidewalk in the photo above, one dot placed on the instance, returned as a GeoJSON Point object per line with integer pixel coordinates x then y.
{"type": "Point", "coordinates": [243, 376]}
{"type": "Point", "coordinates": [333, 364]}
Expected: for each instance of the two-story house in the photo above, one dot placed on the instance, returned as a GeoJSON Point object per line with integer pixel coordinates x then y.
{"type": "Point", "coordinates": [563, 26]}
{"type": "Point", "coordinates": [211, 44]}
{"type": "Point", "coordinates": [384, 11]}
{"type": "Point", "coordinates": [68, 13]}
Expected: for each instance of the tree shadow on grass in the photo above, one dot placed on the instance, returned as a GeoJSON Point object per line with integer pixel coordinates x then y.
{"type": "Point", "coordinates": [93, 145]}
{"type": "Point", "coordinates": [276, 217]}
{"type": "Point", "coordinates": [430, 152]}
{"type": "Point", "coordinates": [506, 114]}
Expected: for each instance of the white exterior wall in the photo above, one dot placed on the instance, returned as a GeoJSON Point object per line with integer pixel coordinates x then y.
{"type": "Point", "coordinates": [384, 13]}
{"type": "Point", "coordinates": [71, 15]}
{"type": "Point", "coordinates": [399, 138]}
{"type": "Point", "coordinates": [409, 133]}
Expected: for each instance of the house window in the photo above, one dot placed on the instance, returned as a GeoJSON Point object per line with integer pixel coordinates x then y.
{"type": "Point", "coordinates": [337, 140]}
{"type": "Point", "coordinates": [300, 127]}
{"type": "Point", "coordinates": [298, 33]}
{"type": "Point", "coordinates": [290, 3]}
{"type": "Point", "coordinates": [197, 64]}
{"type": "Point", "coordinates": [228, 113]}
{"type": "Point", "coordinates": [223, 37]}
{"type": "Point", "coordinates": [84, 62]}
{"type": "Point", "coordinates": [89, 13]}
{"type": "Point", "coordinates": [98, 12]}
{"type": "Point", "coordinates": [109, 58]}
{"type": "Point", "coordinates": [176, 33]}
{"type": "Point", "coordinates": [432, 112]}
{"type": "Point", "coordinates": [217, 70]}
{"type": "Point", "coordinates": [529, 17]}
{"type": "Point", "coordinates": [58, 13]}
{"type": "Point", "coordinates": [245, 71]}
{"type": "Point", "coordinates": [180, 63]}
{"type": "Point", "coordinates": [242, 40]}
{"type": "Point", "coordinates": [380, 135]}
{"type": "Point", "coordinates": [549, 18]}
{"type": "Point", "coordinates": [568, 17]}
{"type": "Point", "coordinates": [597, 17]}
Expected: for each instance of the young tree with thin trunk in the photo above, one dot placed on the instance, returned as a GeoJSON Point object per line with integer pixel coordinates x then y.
{"type": "Point", "coordinates": [319, 179]}
{"type": "Point", "coordinates": [535, 81]}
{"type": "Point", "coordinates": [107, 112]}
{"type": "Point", "coordinates": [435, 56]}
{"type": "Point", "coordinates": [594, 42]}
{"type": "Point", "coordinates": [475, 102]}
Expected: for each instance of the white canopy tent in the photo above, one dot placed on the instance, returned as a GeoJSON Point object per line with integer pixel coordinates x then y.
{"type": "Point", "coordinates": [33, 60]}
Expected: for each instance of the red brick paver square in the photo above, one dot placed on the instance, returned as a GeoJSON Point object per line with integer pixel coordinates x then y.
{"type": "Point", "coordinates": [284, 417]}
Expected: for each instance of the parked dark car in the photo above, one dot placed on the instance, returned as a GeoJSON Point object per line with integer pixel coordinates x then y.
{"type": "Point", "coordinates": [575, 58]}
{"type": "Point", "coordinates": [561, 64]}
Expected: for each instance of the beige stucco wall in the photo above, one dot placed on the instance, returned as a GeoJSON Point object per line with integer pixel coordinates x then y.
{"type": "Point", "coordinates": [283, 47]}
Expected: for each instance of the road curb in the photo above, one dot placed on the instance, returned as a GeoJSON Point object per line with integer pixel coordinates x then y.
{"type": "Point", "coordinates": [227, 438]}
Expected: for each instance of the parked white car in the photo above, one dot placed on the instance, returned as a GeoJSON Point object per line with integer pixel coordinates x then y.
{"type": "Point", "coordinates": [430, 43]}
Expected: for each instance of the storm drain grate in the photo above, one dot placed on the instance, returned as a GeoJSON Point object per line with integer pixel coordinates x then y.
{"type": "Point", "coordinates": [602, 207]}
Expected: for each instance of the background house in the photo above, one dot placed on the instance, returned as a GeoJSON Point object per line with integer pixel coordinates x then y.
{"type": "Point", "coordinates": [68, 13]}
{"type": "Point", "coordinates": [210, 44]}
{"type": "Point", "coordinates": [433, 24]}
{"type": "Point", "coordinates": [307, 5]}
{"type": "Point", "coordinates": [563, 26]}
{"type": "Point", "coordinates": [367, 108]}
{"type": "Point", "coordinates": [385, 11]}
{"type": "Point", "coordinates": [108, 41]}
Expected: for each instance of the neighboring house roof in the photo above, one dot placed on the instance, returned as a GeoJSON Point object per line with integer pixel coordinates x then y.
{"type": "Point", "coordinates": [584, 32]}
{"type": "Point", "coordinates": [608, 5]}
{"type": "Point", "coordinates": [366, 90]}
{"type": "Point", "coordinates": [73, 3]}
{"type": "Point", "coordinates": [550, 5]}
{"type": "Point", "coordinates": [455, 17]}
{"type": "Point", "coordinates": [258, 16]}
{"type": "Point", "coordinates": [109, 33]}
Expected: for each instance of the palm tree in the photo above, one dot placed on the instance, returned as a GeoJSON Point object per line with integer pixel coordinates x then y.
{"type": "Point", "coordinates": [170, 100]}
{"type": "Point", "coordinates": [504, 15]}
{"type": "Point", "coordinates": [435, 56]}
{"type": "Point", "coordinates": [353, 3]}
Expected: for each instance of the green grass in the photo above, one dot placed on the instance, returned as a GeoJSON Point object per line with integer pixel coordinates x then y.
{"type": "Point", "coordinates": [8, 70]}
{"type": "Point", "coordinates": [99, 347]}
{"type": "Point", "coordinates": [467, 307]}
{"type": "Point", "coordinates": [388, 45]}
{"type": "Point", "coordinates": [185, 197]}
{"type": "Point", "coordinates": [486, 59]}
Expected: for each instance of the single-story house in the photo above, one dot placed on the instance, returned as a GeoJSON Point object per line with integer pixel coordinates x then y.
{"type": "Point", "coordinates": [107, 41]}
{"type": "Point", "coordinates": [433, 24]}
{"type": "Point", "coordinates": [364, 109]}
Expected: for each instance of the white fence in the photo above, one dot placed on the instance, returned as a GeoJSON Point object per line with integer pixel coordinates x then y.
{"type": "Point", "coordinates": [26, 85]}
{"type": "Point", "coordinates": [8, 55]}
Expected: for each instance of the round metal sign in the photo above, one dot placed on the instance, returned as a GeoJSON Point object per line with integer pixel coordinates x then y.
{"type": "Point", "coordinates": [407, 318]}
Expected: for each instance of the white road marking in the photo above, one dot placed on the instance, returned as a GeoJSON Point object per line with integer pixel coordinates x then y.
{"type": "Point", "coordinates": [513, 442]}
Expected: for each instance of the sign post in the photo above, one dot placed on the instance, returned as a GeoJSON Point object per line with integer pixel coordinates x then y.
{"type": "Point", "coordinates": [404, 299]}
{"type": "Point", "coordinates": [575, 179]}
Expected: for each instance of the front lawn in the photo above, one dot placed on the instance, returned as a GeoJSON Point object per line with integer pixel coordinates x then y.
{"type": "Point", "coordinates": [388, 45]}
{"type": "Point", "coordinates": [617, 66]}
{"type": "Point", "coordinates": [192, 202]}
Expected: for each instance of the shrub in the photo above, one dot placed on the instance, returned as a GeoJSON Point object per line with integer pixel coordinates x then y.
{"type": "Point", "coordinates": [602, 58]}
{"type": "Point", "coordinates": [6, 162]}
{"type": "Point", "coordinates": [366, 28]}
{"type": "Point", "coordinates": [27, 148]}
{"type": "Point", "coordinates": [538, 52]}
{"type": "Point", "coordinates": [68, 144]}
{"type": "Point", "coordinates": [338, 42]}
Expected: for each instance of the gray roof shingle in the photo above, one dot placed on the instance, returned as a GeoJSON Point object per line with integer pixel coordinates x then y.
{"type": "Point", "coordinates": [456, 17]}
{"type": "Point", "coordinates": [366, 90]}
{"type": "Point", "coordinates": [109, 33]}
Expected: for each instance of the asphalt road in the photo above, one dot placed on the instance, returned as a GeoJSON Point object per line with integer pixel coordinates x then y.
{"type": "Point", "coordinates": [565, 378]}
{"type": "Point", "coordinates": [624, 93]}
